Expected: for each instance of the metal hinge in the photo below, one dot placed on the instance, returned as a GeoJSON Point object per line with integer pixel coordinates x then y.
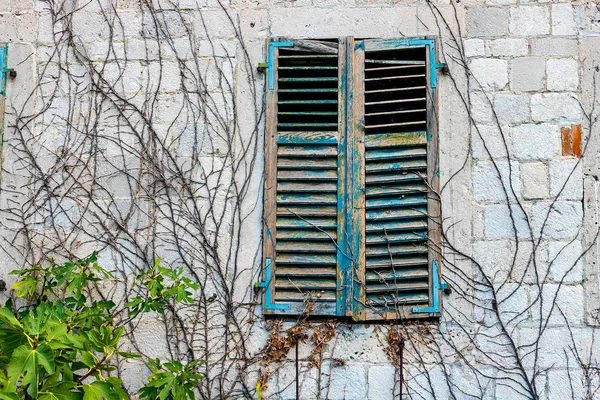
{"type": "Point", "coordinates": [270, 56]}
{"type": "Point", "coordinates": [437, 286]}
{"type": "Point", "coordinates": [268, 303]}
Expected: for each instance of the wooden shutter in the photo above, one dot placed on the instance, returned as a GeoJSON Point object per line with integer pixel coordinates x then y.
{"type": "Point", "coordinates": [393, 84]}
{"type": "Point", "coordinates": [304, 178]}
{"type": "Point", "coordinates": [351, 214]}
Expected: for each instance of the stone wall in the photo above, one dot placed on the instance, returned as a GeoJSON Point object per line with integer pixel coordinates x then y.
{"type": "Point", "coordinates": [533, 68]}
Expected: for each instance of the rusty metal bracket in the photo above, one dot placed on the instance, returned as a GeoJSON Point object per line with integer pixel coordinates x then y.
{"type": "Point", "coordinates": [437, 286]}
{"type": "Point", "coordinates": [269, 64]}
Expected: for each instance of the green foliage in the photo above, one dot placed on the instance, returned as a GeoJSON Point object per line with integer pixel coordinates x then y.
{"type": "Point", "coordinates": [171, 380]}
{"type": "Point", "coordinates": [60, 344]}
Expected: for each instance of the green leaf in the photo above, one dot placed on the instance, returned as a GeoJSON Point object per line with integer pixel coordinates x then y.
{"type": "Point", "coordinates": [109, 390]}
{"type": "Point", "coordinates": [25, 287]}
{"type": "Point", "coordinates": [8, 396]}
{"type": "Point", "coordinates": [7, 316]}
{"type": "Point", "coordinates": [26, 363]}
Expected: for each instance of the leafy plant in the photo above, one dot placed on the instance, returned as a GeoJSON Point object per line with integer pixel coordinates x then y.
{"type": "Point", "coordinates": [59, 343]}
{"type": "Point", "coordinates": [171, 380]}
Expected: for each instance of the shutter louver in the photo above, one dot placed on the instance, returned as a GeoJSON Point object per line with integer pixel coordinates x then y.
{"type": "Point", "coordinates": [307, 179]}
{"type": "Point", "coordinates": [395, 136]}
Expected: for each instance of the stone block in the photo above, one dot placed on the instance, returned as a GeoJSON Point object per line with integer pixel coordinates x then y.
{"type": "Point", "coordinates": [563, 21]}
{"type": "Point", "coordinates": [487, 22]}
{"type": "Point", "coordinates": [527, 74]}
{"type": "Point", "coordinates": [535, 180]}
{"type": "Point", "coordinates": [314, 22]}
{"type": "Point", "coordinates": [474, 48]}
{"type": "Point", "coordinates": [508, 47]}
{"type": "Point", "coordinates": [563, 74]}
{"type": "Point", "coordinates": [562, 220]}
{"type": "Point", "coordinates": [494, 258]}
{"type": "Point", "coordinates": [562, 107]}
{"type": "Point", "coordinates": [513, 300]}
{"type": "Point", "coordinates": [488, 141]}
{"type": "Point", "coordinates": [348, 382]}
{"type": "Point", "coordinates": [566, 177]}
{"type": "Point", "coordinates": [535, 141]}
{"type": "Point", "coordinates": [512, 109]}
{"type": "Point", "coordinates": [529, 20]}
{"type": "Point", "coordinates": [382, 382]}
{"type": "Point", "coordinates": [554, 47]}
{"type": "Point", "coordinates": [566, 384]}
{"type": "Point", "coordinates": [489, 73]}
{"type": "Point", "coordinates": [588, 17]}
{"type": "Point", "coordinates": [499, 224]}
{"type": "Point", "coordinates": [565, 261]}
{"type": "Point", "coordinates": [481, 107]}
{"type": "Point", "coordinates": [492, 181]}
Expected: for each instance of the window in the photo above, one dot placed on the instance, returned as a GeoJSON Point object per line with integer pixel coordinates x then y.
{"type": "Point", "coordinates": [351, 215]}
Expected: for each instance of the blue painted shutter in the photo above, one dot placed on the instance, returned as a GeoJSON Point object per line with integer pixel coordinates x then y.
{"type": "Point", "coordinates": [349, 214]}
{"type": "Point", "coordinates": [394, 116]}
{"type": "Point", "coordinates": [301, 240]}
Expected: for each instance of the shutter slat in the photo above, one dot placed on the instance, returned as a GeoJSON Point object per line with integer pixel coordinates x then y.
{"type": "Point", "coordinates": [314, 187]}
{"type": "Point", "coordinates": [397, 225]}
{"type": "Point", "coordinates": [307, 223]}
{"type": "Point", "coordinates": [386, 140]}
{"type": "Point", "coordinates": [395, 238]}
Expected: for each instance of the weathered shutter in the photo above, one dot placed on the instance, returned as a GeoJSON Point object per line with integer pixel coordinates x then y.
{"type": "Point", "coordinates": [304, 165]}
{"type": "Point", "coordinates": [392, 81]}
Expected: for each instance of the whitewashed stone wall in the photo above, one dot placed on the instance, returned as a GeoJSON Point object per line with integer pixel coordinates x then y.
{"type": "Point", "coordinates": [533, 64]}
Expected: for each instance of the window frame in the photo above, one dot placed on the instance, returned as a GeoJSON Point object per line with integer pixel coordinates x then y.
{"type": "Point", "coordinates": [351, 124]}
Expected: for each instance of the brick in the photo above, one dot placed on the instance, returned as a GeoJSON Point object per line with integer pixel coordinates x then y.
{"type": "Point", "coordinates": [535, 141]}
{"type": "Point", "coordinates": [489, 73]}
{"type": "Point", "coordinates": [554, 47]}
{"type": "Point", "coordinates": [508, 47]}
{"type": "Point", "coordinates": [527, 74]}
{"type": "Point", "coordinates": [529, 20]}
{"type": "Point", "coordinates": [561, 222]}
{"type": "Point", "coordinates": [535, 180]}
{"type": "Point", "coordinates": [563, 21]}
{"type": "Point", "coordinates": [562, 107]}
{"type": "Point", "coordinates": [512, 109]}
{"type": "Point", "coordinates": [566, 261]}
{"type": "Point", "coordinates": [487, 22]}
{"type": "Point", "coordinates": [474, 47]}
{"type": "Point", "coordinates": [491, 185]}
{"type": "Point", "coordinates": [563, 74]}
{"type": "Point", "coordinates": [566, 177]}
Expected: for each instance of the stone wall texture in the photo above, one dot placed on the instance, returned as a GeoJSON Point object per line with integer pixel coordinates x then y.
{"type": "Point", "coordinates": [533, 70]}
